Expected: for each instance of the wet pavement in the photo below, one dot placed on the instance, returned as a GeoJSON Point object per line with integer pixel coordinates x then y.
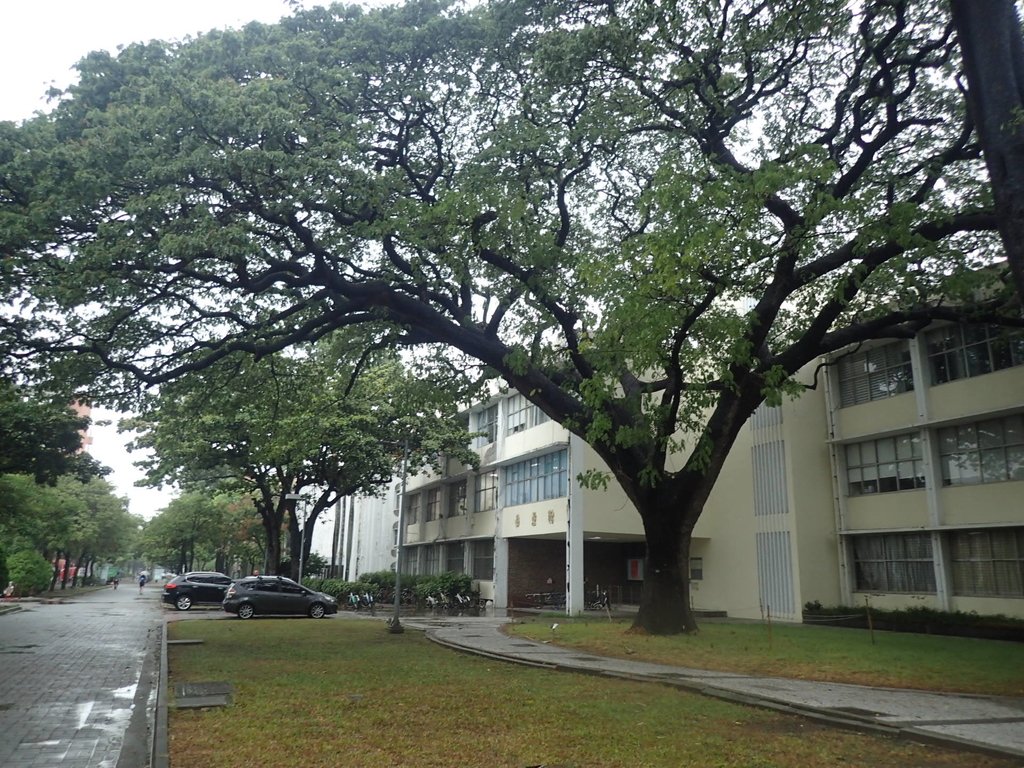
{"type": "Point", "coordinates": [76, 679]}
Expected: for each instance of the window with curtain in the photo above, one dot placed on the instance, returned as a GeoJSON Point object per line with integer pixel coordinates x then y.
{"type": "Point", "coordinates": [895, 562]}
{"type": "Point", "coordinates": [454, 557]}
{"type": "Point", "coordinates": [457, 499]}
{"type": "Point", "coordinates": [875, 374]}
{"type": "Point", "coordinates": [433, 558]}
{"type": "Point", "coordinates": [483, 560]}
{"type": "Point", "coordinates": [487, 423]}
{"type": "Point", "coordinates": [521, 414]}
{"type": "Point", "coordinates": [988, 563]}
{"type": "Point", "coordinates": [485, 494]}
{"type": "Point", "coordinates": [433, 507]}
{"type": "Point", "coordinates": [412, 509]}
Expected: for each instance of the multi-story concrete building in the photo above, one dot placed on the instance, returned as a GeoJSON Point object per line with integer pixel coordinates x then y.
{"type": "Point", "coordinates": [899, 478]}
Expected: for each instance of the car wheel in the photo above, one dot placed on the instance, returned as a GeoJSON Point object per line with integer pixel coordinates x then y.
{"type": "Point", "coordinates": [316, 611]}
{"type": "Point", "coordinates": [246, 611]}
{"type": "Point", "coordinates": [183, 602]}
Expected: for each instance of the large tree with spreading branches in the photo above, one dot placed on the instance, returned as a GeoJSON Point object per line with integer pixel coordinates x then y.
{"type": "Point", "coordinates": [646, 217]}
{"type": "Point", "coordinates": [323, 424]}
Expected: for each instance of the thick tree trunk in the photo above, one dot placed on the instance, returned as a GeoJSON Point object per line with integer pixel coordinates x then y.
{"type": "Point", "coordinates": [273, 560]}
{"type": "Point", "coordinates": [665, 600]}
{"type": "Point", "coordinates": [56, 569]}
{"type": "Point", "coordinates": [78, 580]}
{"type": "Point", "coordinates": [989, 34]}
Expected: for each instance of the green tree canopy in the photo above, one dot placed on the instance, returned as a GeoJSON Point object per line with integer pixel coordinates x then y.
{"type": "Point", "coordinates": [647, 218]}
{"type": "Point", "coordinates": [201, 529]}
{"type": "Point", "coordinates": [321, 423]}
{"type": "Point", "coordinates": [40, 438]}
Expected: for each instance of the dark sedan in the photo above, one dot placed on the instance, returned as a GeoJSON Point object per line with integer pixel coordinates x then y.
{"type": "Point", "coordinates": [196, 588]}
{"type": "Point", "coordinates": [276, 596]}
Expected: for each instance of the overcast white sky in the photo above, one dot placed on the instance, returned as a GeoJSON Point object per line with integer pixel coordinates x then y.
{"type": "Point", "coordinates": [40, 41]}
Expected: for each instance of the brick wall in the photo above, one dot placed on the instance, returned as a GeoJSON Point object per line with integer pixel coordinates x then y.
{"type": "Point", "coordinates": [531, 562]}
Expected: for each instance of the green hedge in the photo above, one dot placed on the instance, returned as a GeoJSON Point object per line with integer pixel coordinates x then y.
{"type": "Point", "coordinates": [918, 619]}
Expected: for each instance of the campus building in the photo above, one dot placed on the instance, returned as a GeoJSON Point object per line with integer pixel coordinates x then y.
{"type": "Point", "coordinates": [898, 479]}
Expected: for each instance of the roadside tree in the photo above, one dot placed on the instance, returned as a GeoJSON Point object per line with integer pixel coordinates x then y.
{"type": "Point", "coordinates": [990, 40]}
{"type": "Point", "coordinates": [315, 424]}
{"type": "Point", "coordinates": [647, 218]}
{"type": "Point", "coordinates": [40, 438]}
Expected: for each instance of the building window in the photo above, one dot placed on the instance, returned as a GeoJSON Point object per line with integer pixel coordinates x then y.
{"type": "Point", "coordinates": [455, 560]}
{"type": "Point", "coordinates": [696, 568]}
{"type": "Point", "coordinates": [518, 413]}
{"type": "Point", "coordinates": [537, 479]}
{"type": "Point", "coordinates": [875, 374]}
{"type": "Point", "coordinates": [988, 563]}
{"type": "Point", "coordinates": [962, 351]}
{"type": "Point", "coordinates": [412, 509]}
{"type": "Point", "coordinates": [487, 423]}
{"type": "Point", "coordinates": [894, 563]}
{"type": "Point", "coordinates": [984, 452]}
{"type": "Point", "coordinates": [522, 414]}
{"type": "Point", "coordinates": [433, 558]}
{"type": "Point", "coordinates": [483, 560]}
{"type": "Point", "coordinates": [457, 499]}
{"type": "Point", "coordinates": [887, 464]}
{"type": "Point", "coordinates": [485, 496]}
{"type": "Point", "coordinates": [433, 505]}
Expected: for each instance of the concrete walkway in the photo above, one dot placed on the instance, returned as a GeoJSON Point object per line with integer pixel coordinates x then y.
{"type": "Point", "coordinates": [985, 723]}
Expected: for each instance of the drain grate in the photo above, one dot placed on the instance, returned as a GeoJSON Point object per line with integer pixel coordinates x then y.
{"type": "Point", "coordinates": [202, 695]}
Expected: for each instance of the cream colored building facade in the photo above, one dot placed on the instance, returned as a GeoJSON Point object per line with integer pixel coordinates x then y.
{"type": "Point", "coordinates": [898, 478]}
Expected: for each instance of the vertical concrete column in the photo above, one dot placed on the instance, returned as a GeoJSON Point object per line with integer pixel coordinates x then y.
{"type": "Point", "coordinates": [500, 564]}
{"type": "Point", "coordinates": [575, 599]}
{"type": "Point", "coordinates": [838, 460]}
{"type": "Point", "coordinates": [932, 468]}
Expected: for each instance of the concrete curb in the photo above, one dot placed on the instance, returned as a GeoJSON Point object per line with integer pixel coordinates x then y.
{"type": "Point", "coordinates": [159, 757]}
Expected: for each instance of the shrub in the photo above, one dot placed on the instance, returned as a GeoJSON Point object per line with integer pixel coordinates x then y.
{"type": "Point", "coordinates": [29, 571]}
{"type": "Point", "coordinates": [918, 619]}
{"type": "Point", "coordinates": [379, 580]}
{"type": "Point", "coordinates": [447, 584]}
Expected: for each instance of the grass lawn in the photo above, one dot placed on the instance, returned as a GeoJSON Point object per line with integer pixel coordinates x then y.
{"type": "Point", "coordinates": [835, 654]}
{"type": "Point", "coordinates": [310, 694]}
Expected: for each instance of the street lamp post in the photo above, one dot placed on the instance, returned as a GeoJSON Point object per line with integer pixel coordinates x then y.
{"type": "Point", "coordinates": [395, 625]}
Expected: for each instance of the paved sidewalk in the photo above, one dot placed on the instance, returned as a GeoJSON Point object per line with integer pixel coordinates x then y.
{"type": "Point", "coordinates": [75, 679]}
{"type": "Point", "coordinates": [986, 723]}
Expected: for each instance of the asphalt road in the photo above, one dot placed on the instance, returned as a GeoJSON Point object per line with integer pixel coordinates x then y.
{"type": "Point", "coordinates": [77, 680]}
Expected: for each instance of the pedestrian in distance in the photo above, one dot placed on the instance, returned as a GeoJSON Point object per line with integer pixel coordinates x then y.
{"type": "Point", "coordinates": [115, 582]}
{"type": "Point", "coordinates": [142, 582]}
